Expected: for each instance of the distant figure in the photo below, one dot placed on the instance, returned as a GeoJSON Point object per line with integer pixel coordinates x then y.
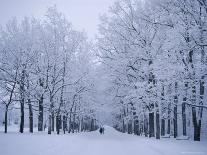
{"type": "Point", "coordinates": [101, 130]}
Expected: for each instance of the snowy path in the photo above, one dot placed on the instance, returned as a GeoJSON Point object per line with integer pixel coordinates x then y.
{"type": "Point", "coordinates": [112, 143]}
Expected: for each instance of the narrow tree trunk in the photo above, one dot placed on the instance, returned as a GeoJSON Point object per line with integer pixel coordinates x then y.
{"type": "Point", "coordinates": [30, 116]}
{"type": "Point", "coordinates": [136, 127]}
{"type": "Point", "coordinates": [92, 125]}
{"type": "Point", "coordinates": [50, 124]}
{"type": "Point", "coordinates": [197, 126]}
{"type": "Point", "coordinates": [184, 117]}
{"type": "Point", "coordinates": [162, 127]}
{"type": "Point", "coordinates": [184, 110]}
{"type": "Point", "coordinates": [130, 127]}
{"type": "Point", "coordinates": [123, 126]}
{"type": "Point", "coordinates": [22, 101]}
{"type": "Point", "coordinates": [82, 124]}
{"type": "Point", "coordinates": [22, 117]}
{"type": "Point", "coordinates": [169, 119]}
{"type": "Point", "coordinates": [64, 123]}
{"type": "Point", "coordinates": [162, 111]}
{"type": "Point", "coordinates": [175, 122]}
{"type": "Point", "coordinates": [40, 116]}
{"type": "Point", "coordinates": [56, 120]}
{"type": "Point", "coordinates": [51, 116]}
{"type": "Point", "coordinates": [168, 125]}
{"type": "Point", "coordinates": [151, 125]}
{"type": "Point", "coordinates": [58, 124]}
{"type": "Point", "coordinates": [70, 119]}
{"type": "Point", "coordinates": [6, 120]}
{"type": "Point", "coordinates": [157, 125]}
{"type": "Point", "coordinates": [146, 126]}
{"type": "Point", "coordinates": [53, 121]}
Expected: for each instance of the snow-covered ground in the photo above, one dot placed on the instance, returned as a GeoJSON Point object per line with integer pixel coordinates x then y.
{"type": "Point", "coordinates": [111, 143]}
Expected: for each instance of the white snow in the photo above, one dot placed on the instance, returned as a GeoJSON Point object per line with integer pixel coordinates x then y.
{"type": "Point", "coordinates": [111, 143]}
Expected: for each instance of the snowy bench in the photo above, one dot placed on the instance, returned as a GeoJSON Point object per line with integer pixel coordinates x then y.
{"type": "Point", "coordinates": [183, 138]}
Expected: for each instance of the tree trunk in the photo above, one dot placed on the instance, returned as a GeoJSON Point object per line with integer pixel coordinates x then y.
{"type": "Point", "coordinates": [168, 126]}
{"type": "Point", "coordinates": [69, 124]}
{"type": "Point", "coordinates": [162, 111]}
{"type": "Point", "coordinates": [82, 124]}
{"type": "Point", "coordinates": [50, 124]}
{"type": "Point", "coordinates": [22, 101]}
{"type": "Point", "coordinates": [30, 116]}
{"type": "Point", "coordinates": [162, 127]}
{"type": "Point", "coordinates": [40, 116]}
{"type": "Point", "coordinates": [6, 120]}
{"type": "Point", "coordinates": [136, 127]}
{"type": "Point", "coordinates": [58, 124]}
{"type": "Point", "coordinates": [92, 124]}
{"type": "Point", "coordinates": [123, 126]}
{"type": "Point", "coordinates": [53, 121]}
{"type": "Point", "coordinates": [64, 123]}
{"type": "Point", "coordinates": [197, 125]}
{"type": "Point", "coordinates": [169, 119]}
{"type": "Point", "coordinates": [22, 117]}
{"type": "Point", "coordinates": [184, 110]}
{"type": "Point", "coordinates": [175, 122]}
{"type": "Point", "coordinates": [151, 125]}
{"type": "Point", "coordinates": [145, 126]}
{"type": "Point", "coordinates": [184, 117]}
{"type": "Point", "coordinates": [157, 125]}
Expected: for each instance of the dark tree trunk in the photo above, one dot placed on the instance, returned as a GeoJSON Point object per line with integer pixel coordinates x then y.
{"type": "Point", "coordinates": [64, 123]}
{"type": "Point", "coordinates": [22, 101]}
{"type": "Point", "coordinates": [145, 126]}
{"type": "Point", "coordinates": [82, 125]}
{"type": "Point", "coordinates": [92, 124]}
{"type": "Point", "coordinates": [168, 120]}
{"type": "Point", "coordinates": [53, 121]}
{"type": "Point", "coordinates": [197, 125]}
{"type": "Point", "coordinates": [73, 126]}
{"type": "Point", "coordinates": [6, 120]}
{"type": "Point", "coordinates": [30, 116]}
{"type": "Point", "coordinates": [130, 127]}
{"type": "Point", "coordinates": [157, 125]}
{"type": "Point", "coordinates": [58, 123]}
{"type": "Point", "coordinates": [151, 125]}
{"type": "Point", "coordinates": [162, 127]}
{"type": "Point", "coordinates": [136, 127]}
{"type": "Point", "coordinates": [56, 120]}
{"type": "Point", "coordinates": [162, 106]}
{"type": "Point", "coordinates": [123, 126]}
{"type": "Point", "coordinates": [168, 126]}
{"type": "Point", "coordinates": [175, 122]}
{"type": "Point", "coordinates": [184, 117]}
{"type": "Point", "coordinates": [50, 124]}
{"type": "Point", "coordinates": [51, 117]}
{"type": "Point", "coordinates": [22, 117]}
{"type": "Point", "coordinates": [70, 123]}
{"type": "Point", "coordinates": [184, 110]}
{"type": "Point", "coordinates": [40, 116]}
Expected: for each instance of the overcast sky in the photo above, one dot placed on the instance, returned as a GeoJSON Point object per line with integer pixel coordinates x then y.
{"type": "Point", "coordinates": [84, 14]}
